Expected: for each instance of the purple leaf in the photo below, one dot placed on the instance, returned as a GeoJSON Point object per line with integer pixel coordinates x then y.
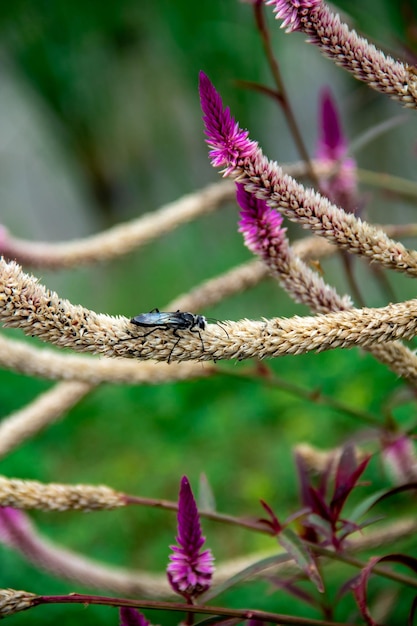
{"type": "Point", "coordinates": [273, 523]}
{"type": "Point", "coordinates": [304, 480]}
{"type": "Point", "coordinates": [360, 589]}
{"type": "Point", "coordinates": [346, 479]}
{"type": "Point", "coordinates": [319, 505]}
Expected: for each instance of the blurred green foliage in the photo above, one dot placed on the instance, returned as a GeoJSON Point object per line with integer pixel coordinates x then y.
{"type": "Point", "coordinates": [112, 91]}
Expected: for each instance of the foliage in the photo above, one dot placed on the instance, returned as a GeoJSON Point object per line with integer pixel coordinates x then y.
{"type": "Point", "coordinates": [102, 125]}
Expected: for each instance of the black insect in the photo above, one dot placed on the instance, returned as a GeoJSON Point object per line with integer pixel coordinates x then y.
{"type": "Point", "coordinates": [178, 320]}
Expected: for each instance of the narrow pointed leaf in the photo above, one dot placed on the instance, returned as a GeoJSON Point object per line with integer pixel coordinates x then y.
{"type": "Point", "coordinates": [320, 525]}
{"type": "Point", "coordinates": [273, 523]}
{"type": "Point", "coordinates": [319, 506]}
{"type": "Point", "coordinates": [366, 505]}
{"type": "Point", "coordinates": [360, 590]}
{"type": "Point", "coordinates": [291, 588]}
{"type": "Point", "coordinates": [345, 483]}
{"type": "Point", "coordinates": [247, 572]}
{"type": "Point", "coordinates": [303, 479]}
{"type": "Point", "coordinates": [302, 556]}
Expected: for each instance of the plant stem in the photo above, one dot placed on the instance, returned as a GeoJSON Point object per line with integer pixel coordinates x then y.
{"type": "Point", "coordinates": [314, 395]}
{"type": "Point", "coordinates": [281, 94]}
{"type": "Point", "coordinates": [243, 614]}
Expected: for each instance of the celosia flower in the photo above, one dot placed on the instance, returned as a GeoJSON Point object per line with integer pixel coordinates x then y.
{"type": "Point", "coordinates": [341, 188]}
{"type": "Point", "coordinates": [344, 46]}
{"type": "Point", "coordinates": [190, 570]}
{"type": "Point", "coordinates": [291, 12]}
{"type": "Point", "coordinates": [399, 458]}
{"type": "Point", "coordinates": [305, 206]}
{"type": "Point", "coordinates": [229, 143]}
{"type": "Point", "coordinates": [260, 225]}
{"type": "Point", "coordinates": [132, 617]}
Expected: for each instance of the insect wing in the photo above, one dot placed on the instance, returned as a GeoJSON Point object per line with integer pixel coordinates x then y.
{"type": "Point", "coordinates": [157, 319]}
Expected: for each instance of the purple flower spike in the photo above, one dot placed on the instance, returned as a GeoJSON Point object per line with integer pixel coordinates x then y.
{"type": "Point", "coordinates": [341, 188]}
{"type": "Point", "coordinates": [228, 142]}
{"type": "Point", "coordinates": [332, 144]}
{"type": "Point", "coordinates": [399, 457]}
{"type": "Point", "coordinates": [291, 12]}
{"type": "Point", "coordinates": [190, 570]}
{"type": "Point", "coordinates": [132, 617]}
{"type": "Point", "coordinates": [261, 226]}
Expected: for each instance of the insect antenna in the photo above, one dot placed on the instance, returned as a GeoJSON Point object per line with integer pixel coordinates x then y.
{"type": "Point", "coordinates": [219, 324]}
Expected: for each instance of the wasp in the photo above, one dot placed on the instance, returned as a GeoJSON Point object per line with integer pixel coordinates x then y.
{"type": "Point", "coordinates": [178, 320]}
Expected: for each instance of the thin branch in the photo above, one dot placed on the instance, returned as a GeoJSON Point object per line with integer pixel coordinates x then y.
{"type": "Point", "coordinates": [315, 396]}
{"type": "Point", "coordinates": [44, 410]}
{"type": "Point", "coordinates": [120, 239]}
{"type": "Point", "coordinates": [281, 95]}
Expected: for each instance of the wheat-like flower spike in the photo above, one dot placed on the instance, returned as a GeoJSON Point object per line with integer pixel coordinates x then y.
{"type": "Point", "coordinates": [264, 235]}
{"type": "Point", "coordinates": [38, 312]}
{"type": "Point", "coordinates": [44, 410]}
{"type": "Point", "coordinates": [45, 363]}
{"type": "Point", "coordinates": [18, 532]}
{"type": "Point", "coordinates": [265, 179]}
{"type": "Point", "coordinates": [120, 239]}
{"type": "Point", "coordinates": [123, 238]}
{"type": "Point", "coordinates": [12, 601]}
{"type": "Point", "coordinates": [31, 494]}
{"type": "Point", "coordinates": [236, 280]}
{"type": "Point", "coordinates": [32, 360]}
{"type": "Point", "coordinates": [347, 49]}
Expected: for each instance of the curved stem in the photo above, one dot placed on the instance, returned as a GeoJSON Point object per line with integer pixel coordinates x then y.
{"type": "Point", "coordinates": [281, 93]}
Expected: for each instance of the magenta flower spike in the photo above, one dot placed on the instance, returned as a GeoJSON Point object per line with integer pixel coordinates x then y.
{"type": "Point", "coordinates": [399, 458]}
{"type": "Point", "coordinates": [291, 12]}
{"type": "Point", "coordinates": [332, 144]}
{"type": "Point", "coordinates": [190, 570]}
{"type": "Point", "coordinates": [260, 225]}
{"type": "Point", "coordinates": [341, 188]}
{"type": "Point", "coordinates": [346, 48]}
{"type": "Point", "coordinates": [132, 617]}
{"type": "Point", "coordinates": [229, 144]}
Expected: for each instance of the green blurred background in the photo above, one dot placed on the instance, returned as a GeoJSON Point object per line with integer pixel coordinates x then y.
{"type": "Point", "coordinates": [100, 122]}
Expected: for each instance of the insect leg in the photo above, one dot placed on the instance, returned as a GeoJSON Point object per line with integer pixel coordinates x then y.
{"type": "Point", "coordinates": [174, 332]}
{"type": "Point", "coordinates": [199, 334]}
{"type": "Point", "coordinates": [150, 332]}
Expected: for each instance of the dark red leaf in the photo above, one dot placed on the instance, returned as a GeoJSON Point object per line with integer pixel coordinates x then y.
{"type": "Point", "coordinates": [345, 482]}
{"type": "Point", "coordinates": [319, 506]}
{"type": "Point", "coordinates": [273, 523]}
{"type": "Point", "coordinates": [359, 590]}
